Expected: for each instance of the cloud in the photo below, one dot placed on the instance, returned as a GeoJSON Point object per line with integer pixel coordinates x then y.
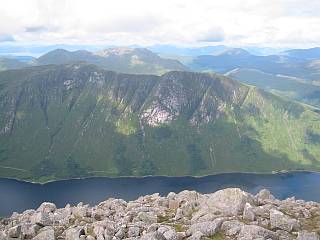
{"type": "Point", "coordinates": [232, 22]}
{"type": "Point", "coordinates": [213, 35]}
{"type": "Point", "coordinates": [35, 29]}
{"type": "Point", "coordinates": [6, 38]}
{"type": "Point", "coordinates": [127, 24]}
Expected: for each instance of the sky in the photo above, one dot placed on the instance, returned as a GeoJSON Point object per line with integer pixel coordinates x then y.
{"type": "Point", "coordinates": [269, 23]}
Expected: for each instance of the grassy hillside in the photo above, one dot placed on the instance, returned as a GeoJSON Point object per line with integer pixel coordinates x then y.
{"type": "Point", "coordinates": [79, 120]}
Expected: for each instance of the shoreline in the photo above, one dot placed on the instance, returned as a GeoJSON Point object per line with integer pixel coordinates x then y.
{"type": "Point", "coordinates": [166, 176]}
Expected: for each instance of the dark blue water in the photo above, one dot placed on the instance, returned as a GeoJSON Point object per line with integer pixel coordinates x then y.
{"type": "Point", "coordinates": [18, 196]}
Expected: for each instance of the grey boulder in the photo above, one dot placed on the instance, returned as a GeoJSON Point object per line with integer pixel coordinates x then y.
{"type": "Point", "coordinates": [47, 233]}
{"type": "Point", "coordinates": [281, 221]}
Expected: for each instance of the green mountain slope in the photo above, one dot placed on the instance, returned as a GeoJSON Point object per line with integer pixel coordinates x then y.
{"type": "Point", "coordinates": [79, 120]}
{"type": "Point", "coordinates": [295, 88]}
{"type": "Point", "coordinates": [127, 60]}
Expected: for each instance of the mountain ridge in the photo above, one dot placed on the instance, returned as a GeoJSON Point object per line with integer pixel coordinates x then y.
{"type": "Point", "coordinates": [78, 120]}
{"type": "Point", "coordinates": [127, 60]}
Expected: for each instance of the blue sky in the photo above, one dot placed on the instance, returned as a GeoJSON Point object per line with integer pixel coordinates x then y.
{"type": "Point", "coordinates": [270, 23]}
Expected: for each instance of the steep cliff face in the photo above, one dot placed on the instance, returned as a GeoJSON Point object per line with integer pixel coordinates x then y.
{"type": "Point", "coordinates": [79, 120]}
{"type": "Point", "coordinates": [226, 214]}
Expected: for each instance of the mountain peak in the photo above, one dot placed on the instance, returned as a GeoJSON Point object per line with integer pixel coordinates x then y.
{"type": "Point", "coordinates": [114, 51]}
{"type": "Point", "coordinates": [122, 59]}
{"type": "Point", "coordinates": [234, 52]}
{"type": "Point", "coordinates": [57, 51]}
{"type": "Point", "coordinates": [119, 51]}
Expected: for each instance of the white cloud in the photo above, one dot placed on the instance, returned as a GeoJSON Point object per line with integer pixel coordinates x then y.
{"type": "Point", "coordinates": [279, 23]}
{"type": "Point", "coordinates": [214, 35]}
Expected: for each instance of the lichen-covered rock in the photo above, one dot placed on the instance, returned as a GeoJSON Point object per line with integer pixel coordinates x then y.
{"type": "Point", "coordinates": [147, 217]}
{"type": "Point", "coordinates": [47, 207]}
{"type": "Point", "coordinates": [230, 201]}
{"type": "Point", "coordinates": [62, 215]}
{"type": "Point", "coordinates": [196, 236]}
{"type": "Point", "coordinates": [29, 230]}
{"type": "Point", "coordinates": [284, 235]}
{"type": "Point", "coordinates": [264, 195]}
{"type": "Point", "coordinates": [14, 232]}
{"type": "Point", "coordinates": [206, 228]}
{"type": "Point", "coordinates": [153, 236]}
{"type": "Point", "coordinates": [248, 212]}
{"type": "Point", "coordinates": [133, 231]}
{"type": "Point", "coordinates": [80, 210]}
{"type": "Point", "coordinates": [304, 235]}
{"type": "Point", "coordinates": [251, 232]}
{"type": "Point", "coordinates": [282, 221]}
{"type": "Point", "coordinates": [168, 232]}
{"type": "Point", "coordinates": [47, 233]}
{"type": "Point", "coordinates": [74, 233]}
{"type": "Point", "coordinates": [42, 218]}
{"type": "Point", "coordinates": [3, 236]}
{"type": "Point", "coordinates": [232, 227]}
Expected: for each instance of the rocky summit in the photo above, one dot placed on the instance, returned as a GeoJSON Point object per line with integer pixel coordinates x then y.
{"type": "Point", "coordinates": [226, 214]}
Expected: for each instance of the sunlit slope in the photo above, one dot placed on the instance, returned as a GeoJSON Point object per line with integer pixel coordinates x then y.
{"type": "Point", "coordinates": [78, 120]}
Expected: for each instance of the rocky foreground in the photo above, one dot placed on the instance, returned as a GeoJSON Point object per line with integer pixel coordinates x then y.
{"type": "Point", "coordinates": [225, 214]}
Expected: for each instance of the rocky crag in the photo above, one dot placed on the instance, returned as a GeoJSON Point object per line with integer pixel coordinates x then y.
{"type": "Point", "coordinates": [225, 214]}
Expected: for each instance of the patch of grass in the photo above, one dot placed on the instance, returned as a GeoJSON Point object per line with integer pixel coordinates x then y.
{"type": "Point", "coordinates": [126, 126]}
{"type": "Point", "coordinates": [194, 210]}
{"type": "Point", "coordinates": [90, 231]}
{"type": "Point", "coordinates": [179, 227]}
{"type": "Point", "coordinates": [217, 236]}
{"type": "Point", "coordinates": [163, 218]}
{"type": "Point", "coordinates": [311, 224]}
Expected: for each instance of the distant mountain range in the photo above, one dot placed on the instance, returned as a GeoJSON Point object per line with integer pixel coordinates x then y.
{"type": "Point", "coordinates": [77, 120]}
{"type": "Point", "coordinates": [38, 50]}
{"type": "Point", "coordinates": [294, 73]}
{"type": "Point", "coordinates": [300, 63]}
{"type": "Point", "coordinates": [126, 60]}
{"type": "Point", "coordinates": [286, 64]}
{"type": "Point", "coordinates": [311, 53]}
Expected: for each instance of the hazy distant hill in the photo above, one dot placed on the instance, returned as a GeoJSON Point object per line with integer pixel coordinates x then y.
{"type": "Point", "coordinates": [285, 64]}
{"type": "Point", "coordinates": [126, 60]}
{"type": "Point", "coordinates": [11, 63]}
{"type": "Point", "coordinates": [187, 51]}
{"type": "Point", "coordinates": [310, 53]}
{"type": "Point", "coordinates": [79, 120]}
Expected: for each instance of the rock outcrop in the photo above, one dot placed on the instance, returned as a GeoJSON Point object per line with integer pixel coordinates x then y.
{"type": "Point", "coordinates": [226, 214]}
